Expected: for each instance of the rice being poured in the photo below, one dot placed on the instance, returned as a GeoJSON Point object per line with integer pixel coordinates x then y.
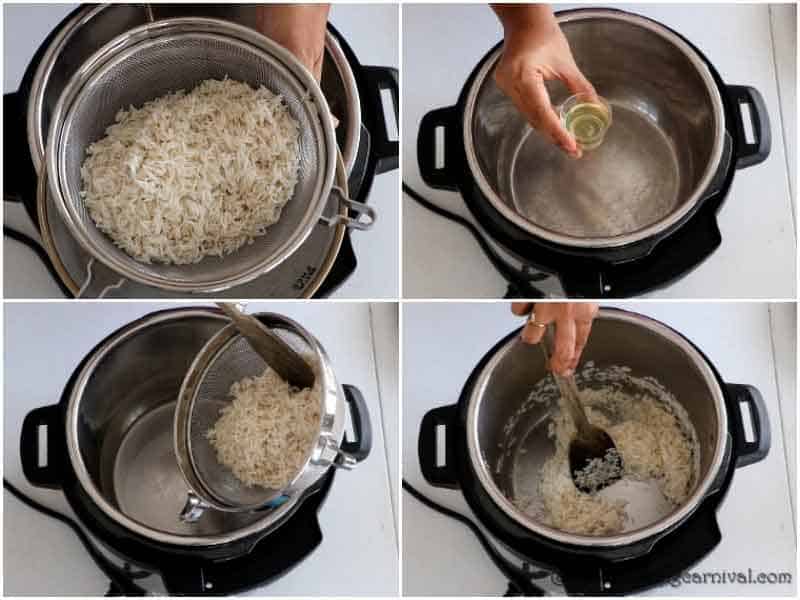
{"type": "Point", "coordinates": [265, 434]}
{"type": "Point", "coordinates": [195, 174]}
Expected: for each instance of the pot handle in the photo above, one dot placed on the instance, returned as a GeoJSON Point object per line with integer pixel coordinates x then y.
{"type": "Point", "coordinates": [359, 449]}
{"type": "Point", "coordinates": [50, 474]}
{"type": "Point", "coordinates": [444, 177]}
{"type": "Point", "coordinates": [19, 172]}
{"type": "Point", "coordinates": [387, 152]}
{"type": "Point", "coordinates": [435, 474]}
{"type": "Point", "coordinates": [746, 397]}
{"type": "Point", "coordinates": [748, 154]}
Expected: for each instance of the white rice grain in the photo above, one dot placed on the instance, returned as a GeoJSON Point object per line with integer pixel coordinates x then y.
{"type": "Point", "coordinates": [191, 175]}
{"type": "Point", "coordinates": [265, 434]}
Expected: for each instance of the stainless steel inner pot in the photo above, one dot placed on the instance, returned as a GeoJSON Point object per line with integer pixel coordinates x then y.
{"type": "Point", "coordinates": [658, 159]}
{"type": "Point", "coordinates": [648, 348]}
{"type": "Point", "coordinates": [95, 25]}
{"type": "Point", "coordinates": [119, 432]}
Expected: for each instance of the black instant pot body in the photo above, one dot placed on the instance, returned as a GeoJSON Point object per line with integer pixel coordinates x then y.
{"type": "Point", "coordinates": [218, 569]}
{"type": "Point", "coordinates": [377, 153]}
{"type": "Point", "coordinates": [608, 272]}
{"type": "Point", "coordinates": [594, 571]}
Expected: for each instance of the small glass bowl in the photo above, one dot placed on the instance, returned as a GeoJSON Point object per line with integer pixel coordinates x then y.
{"type": "Point", "coordinates": [592, 124]}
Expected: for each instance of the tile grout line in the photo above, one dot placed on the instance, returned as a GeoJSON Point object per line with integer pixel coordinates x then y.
{"type": "Point", "coordinates": [383, 424]}
{"type": "Point", "coordinates": [782, 121]}
{"type": "Point", "coordinates": [780, 410]}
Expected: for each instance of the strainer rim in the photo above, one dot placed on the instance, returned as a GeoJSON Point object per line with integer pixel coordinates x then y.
{"type": "Point", "coordinates": [151, 33]}
{"type": "Point", "coordinates": [187, 397]}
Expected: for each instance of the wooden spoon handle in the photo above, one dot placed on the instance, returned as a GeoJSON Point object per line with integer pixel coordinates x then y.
{"type": "Point", "coordinates": [275, 351]}
{"type": "Point", "coordinates": [567, 387]}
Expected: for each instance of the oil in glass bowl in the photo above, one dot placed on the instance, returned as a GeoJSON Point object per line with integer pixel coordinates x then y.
{"type": "Point", "coordinates": [587, 118]}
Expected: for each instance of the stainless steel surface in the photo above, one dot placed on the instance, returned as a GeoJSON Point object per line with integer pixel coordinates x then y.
{"type": "Point", "coordinates": [300, 276]}
{"type": "Point", "coordinates": [95, 25]}
{"type": "Point", "coordinates": [643, 345]}
{"type": "Point", "coordinates": [657, 161]}
{"type": "Point", "coordinates": [224, 360]}
{"type": "Point", "coordinates": [275, 352]}
{"type": "Point", "coordinates": [157, 58]}
{"type": "Point", "coordinates": [119, 431]}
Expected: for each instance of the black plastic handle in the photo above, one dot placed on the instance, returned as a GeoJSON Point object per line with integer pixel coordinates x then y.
{"type": "Point", "coordinates": [444, 177]}
{"type": "Point", "coordinates": [746, 452]}
{"type": "Point", "coordinates": [387, 151]}
{"type": "Point", "coordinates": [360, 448]}
{"type": "Point", "coordinates": [19, 173]}
{"type": "Point", "coordinates": [435, 474]}
{"type": "Point", "coordinates": [747, 154]}
{"type": "Point", "coordinates": [51, 474]}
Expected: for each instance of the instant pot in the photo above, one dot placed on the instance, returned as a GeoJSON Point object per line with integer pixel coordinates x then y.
{"type": "Point", "coordinates": [110, 450]}
{"type": "Point", "coordinates": [353, 93]}
{"type": "Point", "coordinates": [630, 216]}
{"type": "Point", "coordinates": [480, 426]}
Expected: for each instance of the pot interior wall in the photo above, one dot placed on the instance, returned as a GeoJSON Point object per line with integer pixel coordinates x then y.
{"type": "Point", "coordinates": [655, 153]}
{"type": "Point", "coordinates": [125, 427]}
{"type": "Point", "coordinates": [502, 429]}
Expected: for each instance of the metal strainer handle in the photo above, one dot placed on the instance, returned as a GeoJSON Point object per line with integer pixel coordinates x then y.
{"type": "Point", "coordinates": [359, 208]}
{"type": "Point", "coordinates": [100, 280]}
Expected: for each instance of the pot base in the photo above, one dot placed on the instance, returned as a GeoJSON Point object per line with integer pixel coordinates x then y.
{"type": "Point", "coordinates": [149, 487]}
{"type": "Point", "coordinates": [628, 183]}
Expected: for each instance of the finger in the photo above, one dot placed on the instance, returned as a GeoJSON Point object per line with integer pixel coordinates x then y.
{"type": "Point", "coordinates": [577, 83]}
{"type": "Point", "coordinates": [584, 313]}
{"type": "Point", "coordinates": [543, 313]}
{"type": "Point", "coordinates": [521, 308]}
{"type": "Point", "coordinates": [565, 346]}
{"type": "Point", "coordinates": [582, 329]}
{"type": "Point", "coordinates": [535, 103]}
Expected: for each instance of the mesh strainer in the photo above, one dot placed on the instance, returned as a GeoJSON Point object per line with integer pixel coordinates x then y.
{"type": "Point", "coordinates": [228, 358]}
{"type": "Point", "coordinates": [151, 61]}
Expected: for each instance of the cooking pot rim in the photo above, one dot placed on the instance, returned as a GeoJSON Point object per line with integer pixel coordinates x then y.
{"type": "Point", "coordinates": [611, 241]}
{"type": "Point", "coordinates": [481, 469]}
{"type": "Point", "coordinates": [84, 15]}
{"type": "Point", "coordinates": [81, 472]}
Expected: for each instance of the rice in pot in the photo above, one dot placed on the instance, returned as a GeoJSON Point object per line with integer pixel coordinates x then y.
{"type": "Point", "coordinates": [654, 438]}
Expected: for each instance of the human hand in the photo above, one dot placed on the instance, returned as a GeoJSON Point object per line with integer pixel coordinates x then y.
{"type": "Point", "coordinates": [534, 51]}
{"type": "Point", "coordinates": [573, 322]}
{"type": "Point", "coordinates": [300, 28]}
